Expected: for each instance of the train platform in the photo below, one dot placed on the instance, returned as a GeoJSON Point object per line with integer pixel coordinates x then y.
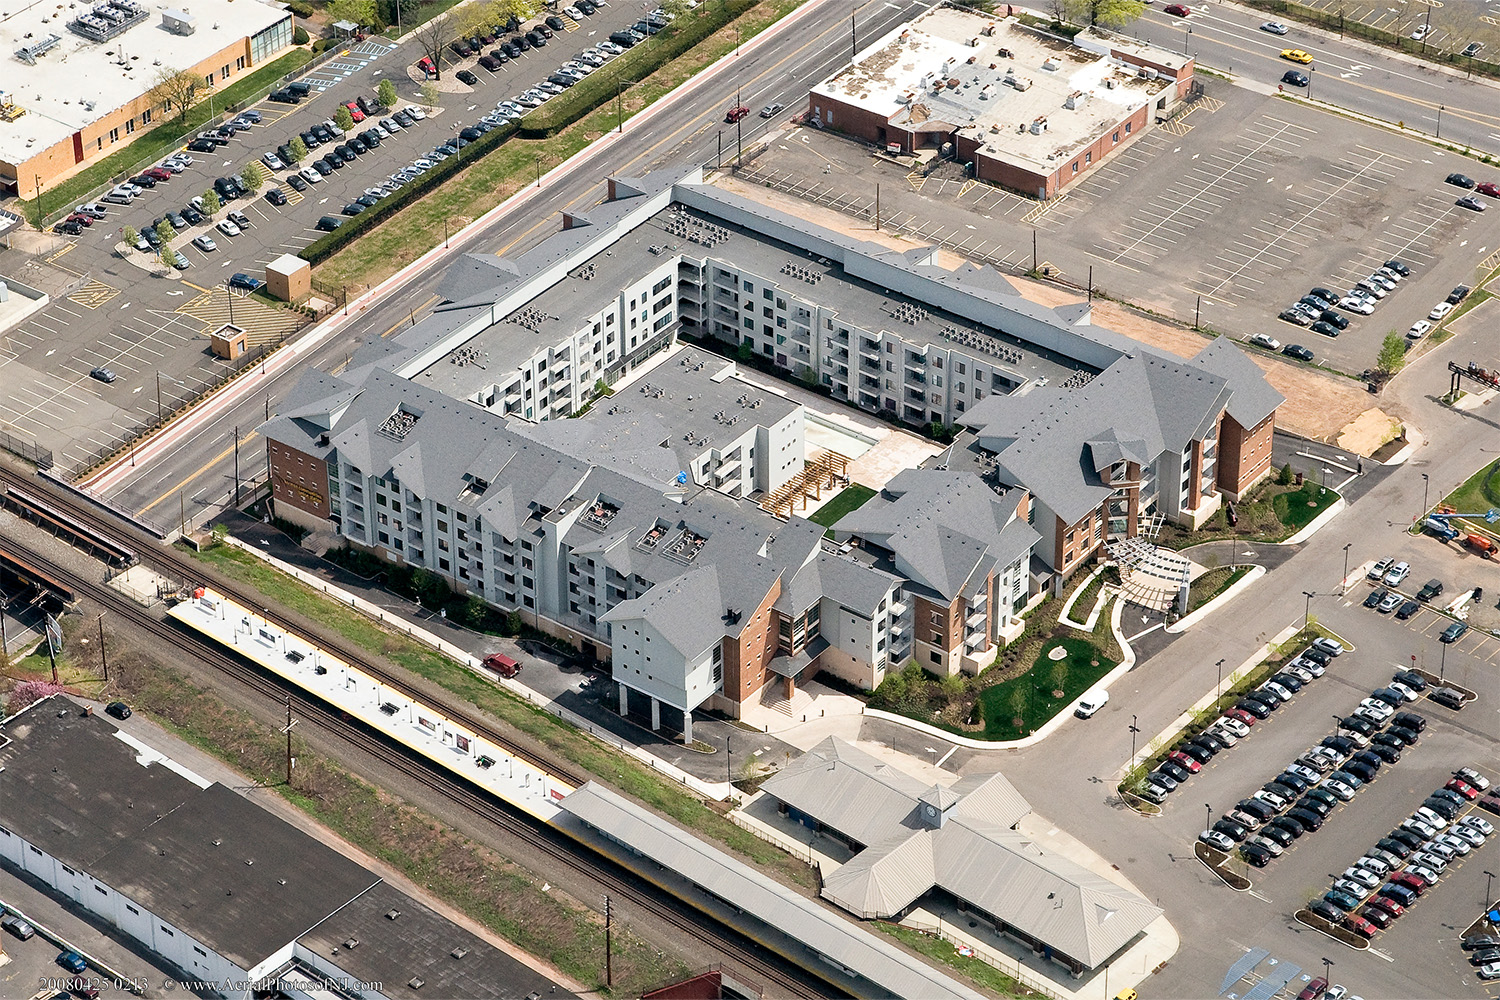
{"type": "Point", "coordinates": [413, 724]}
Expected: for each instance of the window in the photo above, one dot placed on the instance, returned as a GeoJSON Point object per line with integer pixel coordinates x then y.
{"type": "Point", "coordinates": [114, 135]}
{"type": "Point", "coordinates": [1117, 136]}
{"type": "Point", "coordinates": [936, 657]}
{"type": "Point", "coordinates": [1128, 127]}
{"type": "Point", "coordinates": [130, 126]}
{"type": "Point", "coordinates": [1088, 158]}
{"type": "Point", "coordinates": [132, 909]}
{"type": "Point", "coordinates": [200, 951]}
{"type": "Point", "coordinates": [224, 72]}
{"type": "Point", "coordinates": [239, 63]}
{"type": "Point", "coordinates": [167, 931]}
{"type": "Point", "coordinates": [1075, 166]}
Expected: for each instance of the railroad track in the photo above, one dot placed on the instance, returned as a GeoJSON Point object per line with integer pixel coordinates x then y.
{"type": "Point", "coordinates": [618, 881]}
{"type": "Point", "coordinates": [185, 569]}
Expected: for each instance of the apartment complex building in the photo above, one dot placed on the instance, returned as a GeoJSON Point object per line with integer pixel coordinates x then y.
{"type": "Point", "coordinates": [632, 528]}
{"type": "Point", "coordinates": [1025, 109]}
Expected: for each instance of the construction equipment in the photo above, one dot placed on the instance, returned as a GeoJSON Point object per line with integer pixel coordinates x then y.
{"type": "Point", "coordinates": [1484, 546]}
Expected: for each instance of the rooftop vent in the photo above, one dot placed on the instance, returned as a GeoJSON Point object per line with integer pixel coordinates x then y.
{"type": "Point", "coordinates": [459, 952]}
{"type": "Point", "coordinates": [249, 861]}
{"type": "Point", "coordinates": [416, 982]}
{"type": "Point", "coordinates": [351, 942]}
{"type": "Point", "coordinates": [392, 914]}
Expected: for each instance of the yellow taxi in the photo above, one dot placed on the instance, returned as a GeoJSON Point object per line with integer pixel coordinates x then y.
{"type": "Point", "coordinates": [1297, 56]}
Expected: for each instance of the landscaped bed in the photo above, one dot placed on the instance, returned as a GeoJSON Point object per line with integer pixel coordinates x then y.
{"type": "Point", "coordinates": [1016, 708]}
{"type": "Point", "coordinates": [1273, 512]}
{"type": "Point", "coordinates": [852, 497]}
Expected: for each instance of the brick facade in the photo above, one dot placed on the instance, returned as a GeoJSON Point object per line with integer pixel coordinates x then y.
{"type": "Point", "coordinates": [299, 482]}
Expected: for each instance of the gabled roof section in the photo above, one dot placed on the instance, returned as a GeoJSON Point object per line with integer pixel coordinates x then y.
{"type": "Point", "coordinates": [475, 274]}
{"type": "Point", "coordinates": [943, 527]}
{"type": "Point", "coordinates": [676, 610]}
{"type": "Point", "coordinates": [1254, 399]}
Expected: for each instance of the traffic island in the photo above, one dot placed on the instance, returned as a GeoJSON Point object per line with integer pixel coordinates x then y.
{"type": "Point", "coordinates": [1217, 862]}
{"type": "Point", "coordinates": [1343, 935]}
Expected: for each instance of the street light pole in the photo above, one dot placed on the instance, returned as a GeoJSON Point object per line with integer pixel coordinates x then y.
{"type": "Point", "coordinates": [1133, 730]}
{"type": "Point", "coordinates": [1344, 584]}
{"type": "Point", "coordinates": [1489, 879]}
{"type": "Point", "coordinates": [1443, 665]}
{"type": "Point", "coordinates": [1219, 684]}
{"type": "Point", "coordinates": [1439, 130]}
{"type": "Point", "coordinates": [1208, 819]}
{"type": "Point", "coordinates": [1307, 611]}
{"type": "Point", "coordinates": [1326, 966]}
{"type": "Point", "coordinates": [1425, 483]}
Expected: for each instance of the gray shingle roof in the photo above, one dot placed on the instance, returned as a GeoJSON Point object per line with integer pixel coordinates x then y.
{"type": "Point", "coordinates": [946, 528]}
{"type": "Point", "coordinates": [1254, 399]}
{"type": "Point", "coordinates": [973, 852]}
{"type": "Point", "coordinates": [1138, 407]}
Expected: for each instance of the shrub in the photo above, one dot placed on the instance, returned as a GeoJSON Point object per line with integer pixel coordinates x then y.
{"type": "Point", "coordinates": [300, 8]}
{"type": "Point", "coordinates": [386, 92]}
{"type": "Point", "coordinates": [28, 693]}
{"type": "Point", "coordinates": [1284, 477]}
{"type": "Point", "coordinates": [299, 35]}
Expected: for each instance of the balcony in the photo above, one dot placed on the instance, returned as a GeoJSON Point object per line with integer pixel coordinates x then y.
{"type": "Point", "coordinates": [897, 610]}
{"type": "Point", "coordinates": [979, 600]}
{"type": "Point", "coordinates": [975, 641]}
{"type": "Point", "coordinates": [976, 620]}
{"type": "Point", "coordinates": [868, 347]}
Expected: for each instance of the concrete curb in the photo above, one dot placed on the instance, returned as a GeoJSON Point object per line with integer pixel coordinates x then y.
{"type": "Point", "coordinates": [161, 442]}
{"type": "Point", "coordinates": [1183, 624]}
{"type": "Point", "coordinates": [1065, 616]}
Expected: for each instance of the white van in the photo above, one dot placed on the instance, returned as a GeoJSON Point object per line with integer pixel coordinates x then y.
{"type": "Point", "coordinates": [1093, 699]}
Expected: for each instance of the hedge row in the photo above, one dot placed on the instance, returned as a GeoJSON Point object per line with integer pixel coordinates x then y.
{"type": "Point", "coordinates": [321, 249]}
{"type": "Point", "coordinates": [630, 67]}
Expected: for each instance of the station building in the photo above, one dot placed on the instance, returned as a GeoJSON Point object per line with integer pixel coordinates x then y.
{"type": "Point", "coordinates": [79, 78]}
{"type": "Point", "coordinates": [911, 840]}
{"type": "Point", "coordinates": [198, 874]}
{"type": "Point", "coordinates": [636, 529]}
{"type": "Point", "coordinates": [1030, 110]}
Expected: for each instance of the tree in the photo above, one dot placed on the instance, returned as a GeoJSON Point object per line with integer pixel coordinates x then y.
{"type": "Point", "coordinates": [1285, 476]}
{"type": "Point", "coordinates": [298, 149]}
{"type": "Point", "coordinates": [174, 89]}
{"type": "Point", "coordinates": [343, 118]}
{"type": "Point", "coordinates": [429, 94]}
{"type": "Point", "coordinates": [211, 204]}
{"type": "Point", "coordinates": [166, 256]}
{"type": "Point", "coordinates": [254, 175]}
{"type": "Point", "coordinates": [130, 236]}
{"type": "Point", "coordinates": [1103, 13]}
{"type": "Point", "coordinates": [300, 35]}
{"type": "Point", "coordinates": [1059, 678]}
{"type": "Point", "coordinates": [1392, 356]}
{"type": "Point", "coordinates": [165, 232]}
{"type": "Point", "coordinates": [386, 93]}
{"type": "Point", "coordinates": [433, 37]}
{"type": "Point", "coordinates": [360, 12]}
{"type": "Point", "coordinates": [28, 693]}
{"type": "Point", "coordinates": [1020, 698]}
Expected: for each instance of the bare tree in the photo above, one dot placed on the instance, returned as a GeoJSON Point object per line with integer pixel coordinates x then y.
{"type": "Point", "coordinates": [174, 90]}
{"type": "Point", "coordinates": [433, 36]}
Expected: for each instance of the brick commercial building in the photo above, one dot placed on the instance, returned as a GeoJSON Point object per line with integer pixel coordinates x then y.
{"type": "Point", "coordinates": [1031, 111]}
{"type": "Point", "coordinates": [78, 81]}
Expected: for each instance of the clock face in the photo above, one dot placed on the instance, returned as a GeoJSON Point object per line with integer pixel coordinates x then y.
{"type": "Point", "coordinates": [932, 810]}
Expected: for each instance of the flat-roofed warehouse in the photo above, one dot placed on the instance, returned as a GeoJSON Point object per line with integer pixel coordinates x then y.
{"type": "Point", "coordinates": [1031, 111]}
{"type": "Point", "coordinates": [215, 885]}
{"type": "Point", "coordinates": [78, 79]}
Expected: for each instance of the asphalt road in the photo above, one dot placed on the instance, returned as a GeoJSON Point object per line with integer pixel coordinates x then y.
{"type": "Point", "coordinates": [201, 471]}
{"type": "Point", "coordinates": [1347, 73]}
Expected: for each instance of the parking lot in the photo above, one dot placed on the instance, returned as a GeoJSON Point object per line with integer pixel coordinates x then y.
{"type": "Point", "coordinates": [1445, 27]}
{"type": "Point", "coordinates": [148, 324]}
{"type": "Point", "coordinates": [1230, 213]}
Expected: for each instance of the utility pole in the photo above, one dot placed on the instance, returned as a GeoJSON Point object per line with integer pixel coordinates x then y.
{"type": "Point", "coordinates": [236, 466]}
{"type": "Point", "coordinates": [1036, 261]}
{"type": "Point", "coordinates": [103, 657]}
{"type": "Point", "coordinates": [1197, 311]}
{"type": "Point", "coordinates": [182, 514]}
{"type": "Point", "coordinates": [1091, 284]}
{"type": "Point", "coordinates": [290, 760]}
{"type": "Point", "coordinates": [609, 971]}
{"type": "Point", "coordinates": [877, 208]}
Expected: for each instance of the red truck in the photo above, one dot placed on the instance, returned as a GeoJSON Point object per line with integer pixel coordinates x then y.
{"type": "Point", "coordinates": [502, 665]}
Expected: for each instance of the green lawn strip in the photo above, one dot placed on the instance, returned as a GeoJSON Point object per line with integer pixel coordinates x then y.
{"type": "Point", "coordinates": [1297, 510]}
{"type": "Point", "coordinates": [1473, 497]}
{"type": "Point", "coordinates": [977, 971]}
{"type": "Point", "coordinates": [484, 885]}
{"type": "Point", "coordinates": [1081, 668]}
{"type": "Point", "coordinates": [1212, 584]}
{"type": "Point", "coordinates": [561, 738]}
{"type": "Point", "coordinates": [421, 225]}
{"type": "Point", "coordinates": [163, 139]}
{"type": "Point", "coordinates": [852, 497]}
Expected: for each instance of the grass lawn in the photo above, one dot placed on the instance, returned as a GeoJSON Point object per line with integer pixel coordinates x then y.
{"type": "Point", "coordinates": [163, 139]}
{"type": "Point", "coordinates": [598, 758]}
{"type": "Point", "coordinates": [414, 230]}
{"type": "Point", "coordinates": [852, 497]}
{"type": "Point", "coordinates": [975, 970]}
{"type": "Point", "coordinates": [1296, 510]}
{"type": "Point", "coordinates": [1212, 584]}
{"type": "Point", "coordinates": [1083, 665]}
{"type": "Point", "coordinates": [1474, 496]}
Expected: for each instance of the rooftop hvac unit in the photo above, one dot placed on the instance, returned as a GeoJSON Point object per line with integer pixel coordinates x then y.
{"type": "Point", "coordinates": [28, 53]}
{"type": "Point", "coordinates": [179, 22]}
